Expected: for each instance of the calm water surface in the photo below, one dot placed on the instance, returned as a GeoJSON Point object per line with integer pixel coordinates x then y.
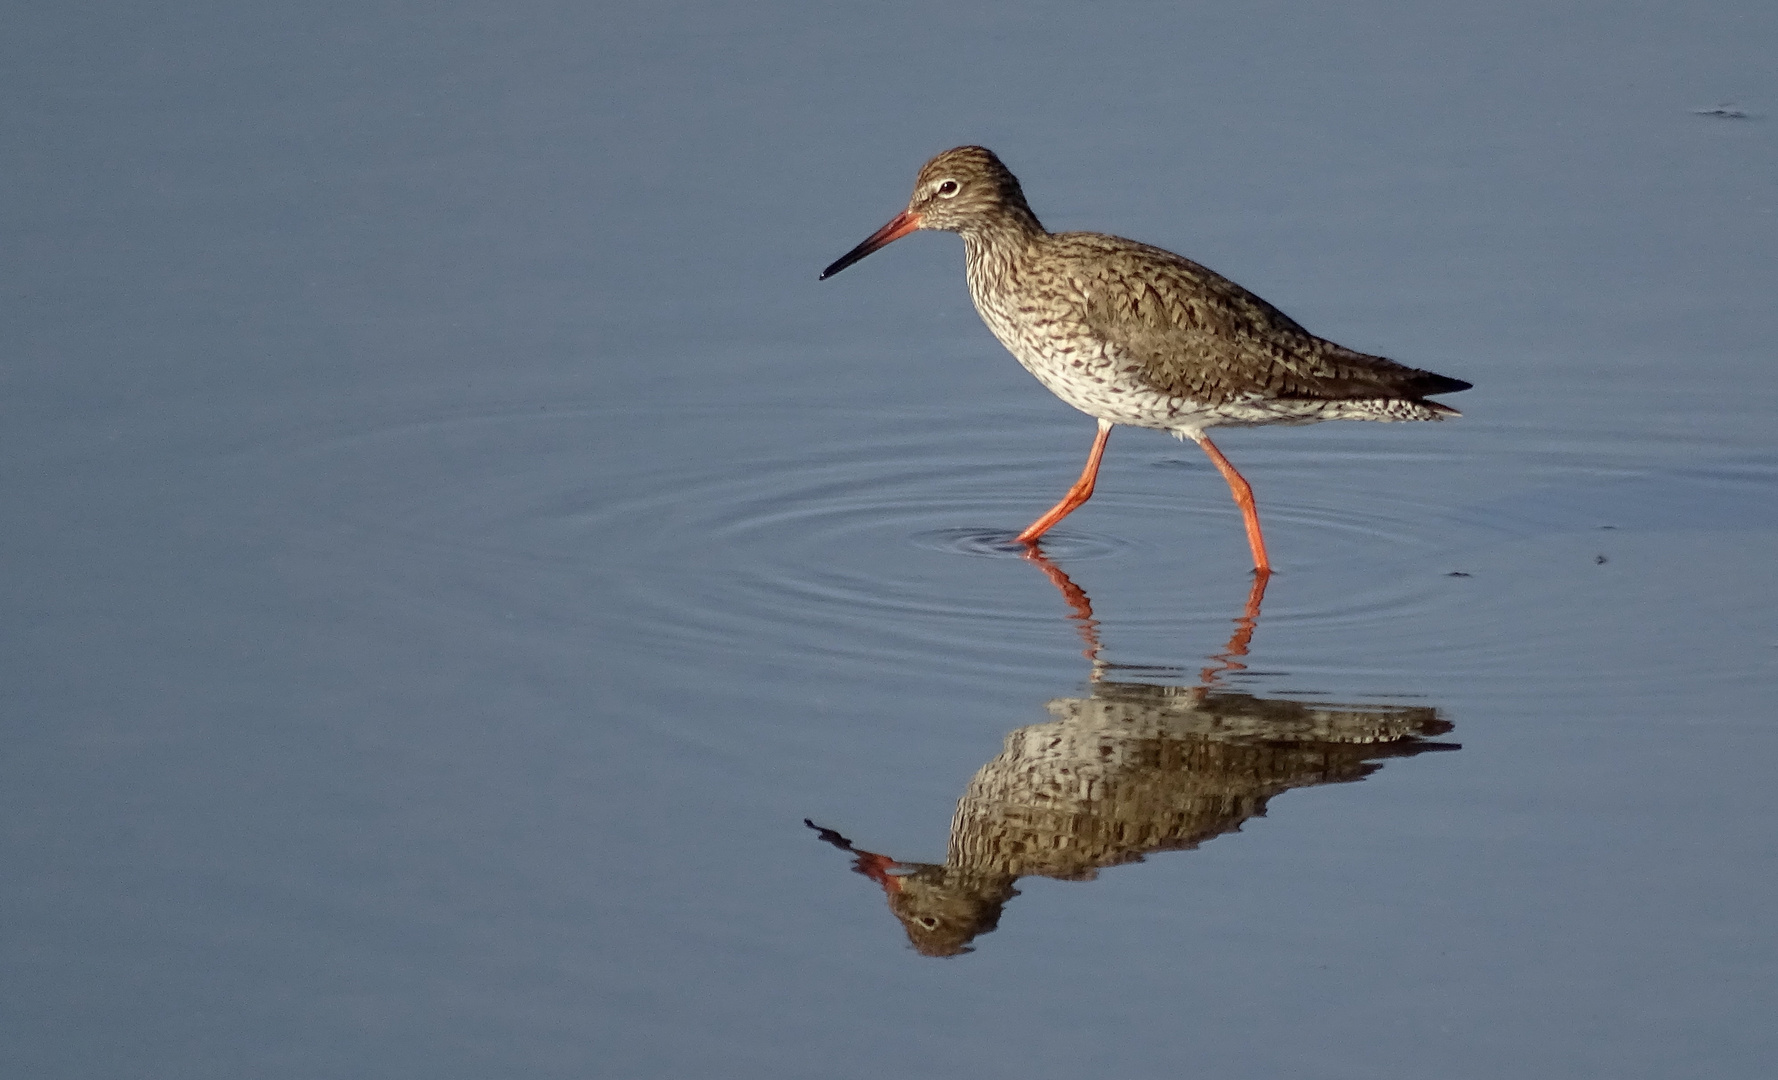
{"type": "Point", "coordinates": [454, 543]}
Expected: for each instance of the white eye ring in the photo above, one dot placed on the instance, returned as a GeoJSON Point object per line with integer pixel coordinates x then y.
{"type": "Point", "coordinates": [947, 190]}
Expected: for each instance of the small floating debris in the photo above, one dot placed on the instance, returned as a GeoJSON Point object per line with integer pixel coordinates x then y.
{"type": "Point", "coordinates": [1600, 560]}
{"type": "Point", "coordinates": [1725, 111]}
{"type": "Point", "coordinates": [1457, 573]}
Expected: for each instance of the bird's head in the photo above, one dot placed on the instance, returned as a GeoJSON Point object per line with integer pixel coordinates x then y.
{"type": "Point", "coordinates": [962, 190]}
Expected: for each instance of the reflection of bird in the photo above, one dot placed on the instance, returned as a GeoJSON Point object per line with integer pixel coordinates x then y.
{"type": "Point", "coordinates": [1130, 769]}
{"type": "Point", "coordinates": [1132, 334]}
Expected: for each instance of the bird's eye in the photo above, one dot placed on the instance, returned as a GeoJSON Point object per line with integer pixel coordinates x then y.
{"type": "Point", "coordinates": [947, 189]}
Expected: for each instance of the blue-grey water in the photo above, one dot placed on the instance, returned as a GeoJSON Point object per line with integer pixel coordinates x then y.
{"type": "Point", "coordinates": [452, 542]}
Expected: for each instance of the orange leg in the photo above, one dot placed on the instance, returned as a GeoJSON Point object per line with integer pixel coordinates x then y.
{"type": "Point", "coordinates": [1243, 498]}
{"type": "Point", "coordinates": [1079, 493]}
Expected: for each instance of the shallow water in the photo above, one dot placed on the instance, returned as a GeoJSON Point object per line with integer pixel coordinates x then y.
{"type": "Point", "coordinates": [454, 544]}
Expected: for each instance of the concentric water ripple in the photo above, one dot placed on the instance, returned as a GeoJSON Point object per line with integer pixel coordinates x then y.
{"type": "Point", "coordinates": [888, 539]}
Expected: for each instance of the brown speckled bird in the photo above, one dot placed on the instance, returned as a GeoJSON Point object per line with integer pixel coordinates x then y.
{"type": "Point", "coordinates": [1132, 334]}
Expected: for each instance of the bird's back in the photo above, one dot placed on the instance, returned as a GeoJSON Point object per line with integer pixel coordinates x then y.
{"type": "Point", "coordinates": [1140, 335]}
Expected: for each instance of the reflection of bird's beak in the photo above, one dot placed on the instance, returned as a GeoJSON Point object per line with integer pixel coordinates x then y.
{"type": "Point", "coordinates": [899, 226]}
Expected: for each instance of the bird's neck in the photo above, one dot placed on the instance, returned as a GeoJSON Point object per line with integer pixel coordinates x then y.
{"type": "Point", "coordinates": [991, 247]}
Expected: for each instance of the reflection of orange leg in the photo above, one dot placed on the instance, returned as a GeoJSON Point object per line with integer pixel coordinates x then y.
{"type": "Point", "coordinates": [1078, 600]}
{"type": "Point", "coordinates": [1243, 498]}
{"type": "Point", "coordinates": [1243, 635]}
{"type": "Point", "coordinates": [1079, 493]}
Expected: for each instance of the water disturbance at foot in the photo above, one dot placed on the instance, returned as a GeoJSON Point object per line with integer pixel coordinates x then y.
{"type": "Point", "coordinates": [848, 544]}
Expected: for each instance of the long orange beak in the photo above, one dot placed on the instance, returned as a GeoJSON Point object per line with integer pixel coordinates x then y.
{"type": "Point", "coordinates": [899, 226]}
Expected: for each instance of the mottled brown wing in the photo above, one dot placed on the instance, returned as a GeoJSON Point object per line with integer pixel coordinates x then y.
{"type": "Point", "coordinates": [1194, 334]}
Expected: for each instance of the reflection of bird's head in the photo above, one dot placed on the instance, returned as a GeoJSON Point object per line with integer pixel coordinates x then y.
{"type": "Point", "coordinates": [944, 908]}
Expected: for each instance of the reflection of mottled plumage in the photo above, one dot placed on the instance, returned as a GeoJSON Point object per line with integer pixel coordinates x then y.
{"type": "Point", "coordinates": [1134, 769]}
{"type": "Point", "coordinates": [1130, 769]}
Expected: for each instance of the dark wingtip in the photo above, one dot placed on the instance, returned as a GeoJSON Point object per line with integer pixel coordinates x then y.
{"type": "Point", "coordinates": [1440, 384]}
